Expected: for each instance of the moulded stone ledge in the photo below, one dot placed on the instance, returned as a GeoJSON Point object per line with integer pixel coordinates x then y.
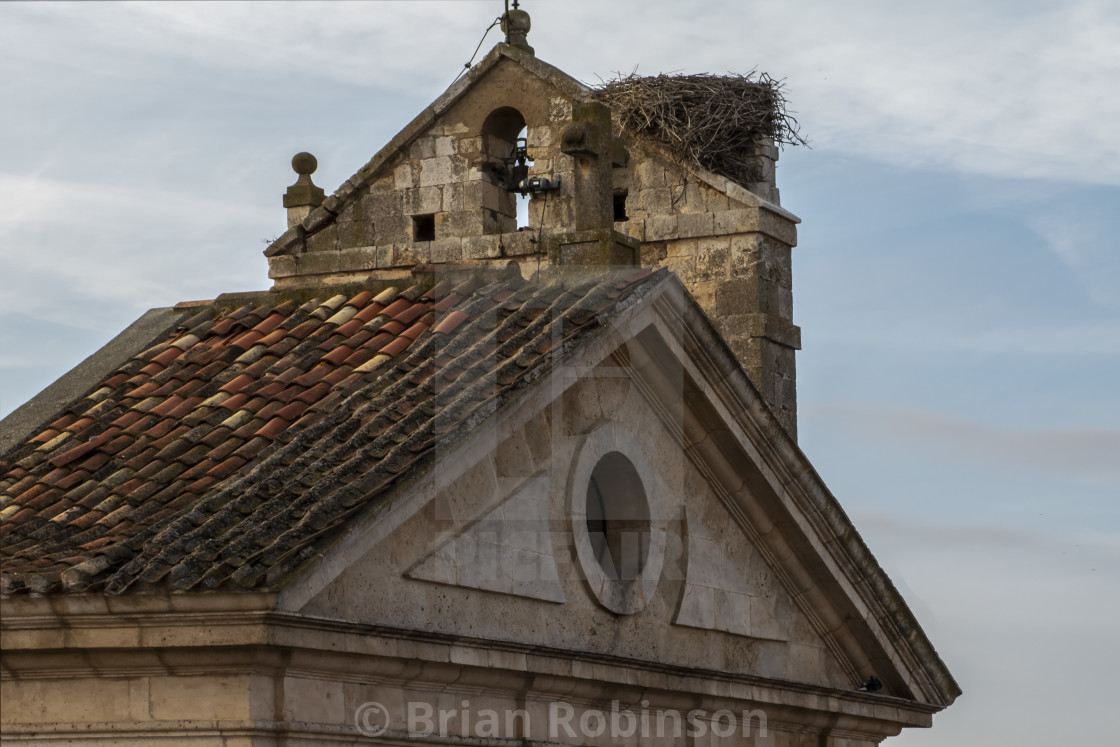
{"type": "Point", "coordinates": [282, 266]}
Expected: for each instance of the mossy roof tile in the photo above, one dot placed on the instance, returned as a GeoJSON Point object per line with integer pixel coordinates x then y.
{"type": "Point", "coordinates": [341, 403]}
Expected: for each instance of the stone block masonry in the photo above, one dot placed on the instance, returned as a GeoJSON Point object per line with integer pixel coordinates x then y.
{"type": "Point", "coordinates": [443, 196]}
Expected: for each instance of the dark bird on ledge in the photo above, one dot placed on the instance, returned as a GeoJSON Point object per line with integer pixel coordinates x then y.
{"type": "Point", "coordinates": [873, 685]}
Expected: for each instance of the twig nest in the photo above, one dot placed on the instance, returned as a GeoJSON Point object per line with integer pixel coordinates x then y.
{"type": "Point", "coordinates": [716, 121]}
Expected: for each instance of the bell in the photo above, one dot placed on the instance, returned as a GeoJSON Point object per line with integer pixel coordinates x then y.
{"type": "Point", "coordinates": [518, 173]}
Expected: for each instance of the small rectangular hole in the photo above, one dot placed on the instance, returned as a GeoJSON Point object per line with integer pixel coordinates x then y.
{"type": "Point", "coordinates": [424, 227]}
{"type": "Point", "coordinates": [620, 207]}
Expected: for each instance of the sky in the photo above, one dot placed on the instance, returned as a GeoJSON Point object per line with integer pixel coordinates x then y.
{"type": "Point", "coordinates": [957, 278]}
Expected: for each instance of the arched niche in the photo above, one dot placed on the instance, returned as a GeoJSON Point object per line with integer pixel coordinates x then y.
{"type": "Point", "coordinates": [500, 131]}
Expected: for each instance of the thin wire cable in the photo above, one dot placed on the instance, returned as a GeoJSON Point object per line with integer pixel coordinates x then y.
{"type": "Point", "coordinates": [470, 62]}
{"type": "Point", "coordinates": [540, 231]}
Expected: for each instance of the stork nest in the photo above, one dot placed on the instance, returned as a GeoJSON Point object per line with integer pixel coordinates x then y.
{"type": "Point", "coordinates": [715, 121]}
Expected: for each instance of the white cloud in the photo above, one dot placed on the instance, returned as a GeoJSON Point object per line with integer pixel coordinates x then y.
{"type": "Point", "coordinates": [1090, 249]}
{"type": "Point", "coordinates": [365, 43]}
{"type": "Point", "coordinates": [973, 87]}
{"type": "Point", "coordinates": [989, 88]}
{"type": "Point", "coordinates": [103, 253]}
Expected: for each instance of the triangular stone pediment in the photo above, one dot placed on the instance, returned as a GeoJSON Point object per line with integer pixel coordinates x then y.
{"type": "Point", "coordinates": [756, 570]}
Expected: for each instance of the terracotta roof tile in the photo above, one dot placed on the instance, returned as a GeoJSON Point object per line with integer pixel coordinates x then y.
{"type": "Point", "coordinates": [236, 402]}
{"type": "Point", "coordinates": [168, 355]}
{"type": "Point", "coordinates": [450, 321]}
{"type": "Point", "coordinates": [166, 436]}
{"type": "Point", "coordinates": [360, 356]}
{"type": "Point", "coordinates": [236, 384]}
{"type": "Point", "coordinates": [227, 467]}
{"type": "Point", "coordinates": [368, 313]}
{"type": "Point", "coordinates": [199, 469]}
{"type": "Point", "coordinates": [350, 327]}
{"type": "Point", "coordinates": [80, 451]}
{"type": "Point", "coordinates": [45, 436]}
{"type": "Point", "coordinates": [248, 339]}
{"type": "Point", "coordinates": [396, 347]}
{"type": "Point", "coordinates": [392, 328]}
{"type": "Point", "coordinates": [338, 355]}
{"type": "Point", "coordinates": [414, 332]}
{"type": "Point", "coordinates": [360, 300]}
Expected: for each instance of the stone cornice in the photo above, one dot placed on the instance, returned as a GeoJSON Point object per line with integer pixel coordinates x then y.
{"type": "Point", "coordinates": [270, 643]}
{"type": "Point", "coordinates": [818, 517]}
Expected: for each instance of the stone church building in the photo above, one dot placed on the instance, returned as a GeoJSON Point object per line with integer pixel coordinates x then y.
{"type": "Point", "coordinates": [453, 480]}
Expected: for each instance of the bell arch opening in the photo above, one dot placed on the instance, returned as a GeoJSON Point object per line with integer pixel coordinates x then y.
{"type": "Point", "coordinates": [500, 133]}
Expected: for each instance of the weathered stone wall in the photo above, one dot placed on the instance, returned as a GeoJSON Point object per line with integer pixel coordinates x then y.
{"type": "Point", "coordinates": [729, 244]}
{"type": "Point", "coordinates": [734, 258]}
{"type": "Point", "coordinates": [243, 669]}
{"type": "Point", "coordinates": [451, 173]}
{"type": "Point", "coordinates": [713, 581]}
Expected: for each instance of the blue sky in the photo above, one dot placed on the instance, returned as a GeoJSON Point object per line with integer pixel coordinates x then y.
{"type": "Point", "coordinates": [957, 278]}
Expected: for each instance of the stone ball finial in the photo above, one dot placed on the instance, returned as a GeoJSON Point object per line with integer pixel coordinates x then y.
{"type": "Point", "coordinates": [303, 196]}
{"type": "Point", "coordinates": [304, 164]}
{"type": "Point", "coordinates": [516, 25]}
{"type": "Point", "coordinates": [517, 22]}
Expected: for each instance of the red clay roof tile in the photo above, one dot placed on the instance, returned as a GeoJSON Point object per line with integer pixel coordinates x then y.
{"type": "Point", "coordinates": [175, 453]}
{"type": "Point", "coordinates": [360, 356]}
{"type": "Point", "coordinates": [314, 394]}
{"type": "Point", "coordinates": [338, 355]}
{"type": "Point", "coordinates": [305, 329]}
{"type": "Point", "coordinates": [270, 323]}
{"type": "Point", "coordinates": [411, 314]}
{"type": "Point", "coordinates": [396, 307]}
{"type": "Point", "coordinates": [80, 451]}
{"type": "Point", "coordinates": [184, 407]}
{"type": "Point", "coordinates": [396, 347]}
{"type": "Point", "coordinates": [236, 402]}
{"type": "Point", "coordinates": [450, 321]}
{"type": "Point", "coordinates": [272, 428]}
{"type": "Point", "coordinates": [292, 411]}
{"type": "Point", "coordinates": [392, 328]}
{"type": "Point", "coordinates": [415, 331]}
{"type": "Point", "coordinates": [248, 340]}
{"type": "Point", "coordinates": [360, 300]}
{"type": "Point", "coordinates": [350, 327]}
{"type": "Point", "coordinates": [369, 312]}
{"type": "Point", "coordinates": [46, 436]}
{"type": "Point", "coordinates": [227, 467]}
{"type": "Point", "coordinates": [63, 421]}
{"type": "Point", "coordinates": [130, 417]}
{"type": "Point", "coordinates": [273, 337]}
{"type": "Point", "coordinates": [337, 375]}
{"type": "Point", "coordinates": [166, 356]}
{"type": "Point", "coordinates": [313, 376]}
{"type": "Point", "coordinates": [167, 406]}
{"type": "Point", "coordinates": [236, 384]}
